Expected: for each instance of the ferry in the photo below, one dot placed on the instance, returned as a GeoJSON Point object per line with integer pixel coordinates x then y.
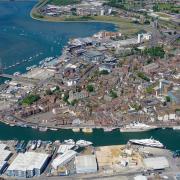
{"type": "Point", "coordinates": [83, 143]}
{"type": "Point", "coordinates": [147, 142]}
{"type": "Point", "coordinates": [69, 141]}
{"type": "Point", "coordinates": [137, 127]}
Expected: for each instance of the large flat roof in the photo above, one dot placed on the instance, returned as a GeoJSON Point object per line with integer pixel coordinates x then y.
{"type": "Point", "coordinates": [156, 163]}
{"type": "Point", "coordinates": [86, 161]}
{"type": "Point", "coordinates": [28, 161]}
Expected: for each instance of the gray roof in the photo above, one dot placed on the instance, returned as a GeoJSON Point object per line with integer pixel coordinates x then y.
{"type": "Point", "coordinates": [156, 163]}
{"type": "Point", "coordinates": [86, 162]}
{"type": "Point", "coordinates": [93, 54]}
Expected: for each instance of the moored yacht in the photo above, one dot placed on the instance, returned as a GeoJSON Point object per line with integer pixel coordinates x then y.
{"type": "Point", "coordinates": [83, 143]}
{"type": "Point", "coordinates": [39, 143]}
{"type": "Point", "coordinates": [34, 145]}
{"type": "Point", "coordinates": [137, 127]}
{"type": "Point", "coordinates": [147, 142]}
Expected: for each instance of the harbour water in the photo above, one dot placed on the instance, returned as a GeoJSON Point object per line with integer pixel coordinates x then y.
{"type": "Point", "coordinates": [23, 38]}
{"type": "Point", "coordinates": [170, 138]}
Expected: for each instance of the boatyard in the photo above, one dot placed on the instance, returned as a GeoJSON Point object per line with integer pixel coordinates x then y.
{"type": "Point", "coordinates": [83, 160]}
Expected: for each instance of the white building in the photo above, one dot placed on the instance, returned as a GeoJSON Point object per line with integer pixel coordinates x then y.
{"type": "Point", "coordinates": [144, 37]}
{"type": "Point", "coordinates": [63, 159]}
{"type": "Point", "coordinates": [28, 164]}
{"type": "Point", "coordinates": [86, 164]}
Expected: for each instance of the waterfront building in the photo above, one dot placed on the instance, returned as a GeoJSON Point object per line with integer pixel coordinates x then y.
{"type": "Point", "coordinates": [86, 164]}
{"type": "Point", "coordinates": [28, 164]}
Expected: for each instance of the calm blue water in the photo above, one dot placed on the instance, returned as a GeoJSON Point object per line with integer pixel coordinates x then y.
{"type": "Point", "coordinates": [22, 37]}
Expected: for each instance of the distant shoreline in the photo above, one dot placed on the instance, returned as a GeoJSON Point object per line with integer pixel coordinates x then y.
{"type": "Point", "coordinates": [124, 24]}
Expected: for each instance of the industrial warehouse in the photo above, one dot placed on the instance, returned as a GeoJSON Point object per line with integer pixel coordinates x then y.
{"type": "Point", "coordinates": [28, 165]}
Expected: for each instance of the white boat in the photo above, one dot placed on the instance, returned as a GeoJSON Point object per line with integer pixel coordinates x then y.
{"type": "Point", "coordinates": [34, 127]}
{"type": "Point", "coordinates": [69, 141]}
{"type": "Point", "coordinates": [176, 128]}
{"type": "Point", "coordinates": [147, 142]}
{"type": "Point", "coordinates": [137, 127]}
{"type": "Point", "coordinates": [28, 68]}
{"type": "Point", "coordinates": [34, 145]}
{"type": "Point", "coordinates": [16, 74]}
{"type": "Point", "coordinates": [83, 143]}
{"type": "Point", "coordinates": [53, 129]}
{"type": "Point", "coordinates": [43, 129]}
{"type": "Point", "coordinates": [108, 129]}
{"type": "Point", "coordinates": [39, 143]}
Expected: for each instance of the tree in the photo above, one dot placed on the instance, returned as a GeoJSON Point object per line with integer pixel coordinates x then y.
{"type": "Point", "coordinates": [30, 99]}
{"type": "Point", "coordinates": [113, 94]}
{"type": "Point", "coordinates": [104, 72]}
{"type": "Point", "coordinates": [149, 90]}
{"type": "Point", "coordinates": [168, 99]}
{"type": "Point", "coordinates": [66, 97]}
{"type": "Point", "coordinates": [155, 52]}
{"type": "Point", "coordinates": [143, 76]}
{"type": "Point", "coordinates": [90, 88]}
